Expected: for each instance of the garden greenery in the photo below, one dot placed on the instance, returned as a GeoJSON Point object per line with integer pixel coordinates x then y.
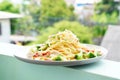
{"type": "Point", "coordinates": [84, 34]}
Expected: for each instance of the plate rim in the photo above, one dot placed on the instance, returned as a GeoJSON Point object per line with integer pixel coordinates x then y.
{"type": "Point", "coordinates": [95, 59]}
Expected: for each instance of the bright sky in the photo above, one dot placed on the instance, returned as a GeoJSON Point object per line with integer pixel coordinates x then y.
{"type": "Point", "coordinates": [15, 1]}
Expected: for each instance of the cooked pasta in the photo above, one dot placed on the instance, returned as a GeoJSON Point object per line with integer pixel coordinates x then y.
{"type": "Point", "coordinates": [63, 46]}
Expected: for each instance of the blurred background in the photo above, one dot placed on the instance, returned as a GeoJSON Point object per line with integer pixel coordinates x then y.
{"type": "Point", "coordinates": [26, 22]}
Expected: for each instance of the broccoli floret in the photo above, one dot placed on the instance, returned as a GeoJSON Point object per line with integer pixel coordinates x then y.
{"type": "Point", "coordinates": [78, 56]}
{"type": "Point", "coordinates": [58, 58]}
{"type": "Point", "coordinates": [91, 55]}
{"type": "Point", "coordinates": [38, 48]}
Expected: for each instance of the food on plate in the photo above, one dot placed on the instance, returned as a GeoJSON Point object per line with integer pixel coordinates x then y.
{"type": "Point", "coordinates": [63, 46]}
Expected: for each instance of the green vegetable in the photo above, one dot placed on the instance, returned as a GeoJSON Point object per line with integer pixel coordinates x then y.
{"type": "Point", "coordinates": [45, 47]}
{"type": "Point", "coordinates": [58, 58]}
{"type": "Point", "coordinates": [78, 56]}
{"type": "Point", "coordinates": [91, 55]}
{"type": "Point", "coordinates": [38, 48]}
{"type": "Point", "coordinates": [85, 56]}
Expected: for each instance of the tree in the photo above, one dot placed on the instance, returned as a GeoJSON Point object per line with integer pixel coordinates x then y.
{"type": "Point", "coordinates": [84, 33]}
{"type": "Point", "coordinates": [107, 6]}
{"type": "Point", "coordinates": [44, 13]}
{"type": "Point", "coordinates": [6, 5]}
{"type": "Point", "coordinates": [30, 22]}
{"type": "Point", "coordinates": [55, 10]}
{"type": "Point", "coordinates": [106, 12]}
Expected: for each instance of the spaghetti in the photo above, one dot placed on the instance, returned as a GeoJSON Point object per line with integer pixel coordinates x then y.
{"type": "Point", "coordinates": [63, 46]}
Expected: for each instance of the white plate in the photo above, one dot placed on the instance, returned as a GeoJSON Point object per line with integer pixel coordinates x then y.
{"type": "Point", "coordinates": [22, 55]}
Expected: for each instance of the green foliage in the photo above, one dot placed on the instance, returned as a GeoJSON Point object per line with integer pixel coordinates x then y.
{"type": "Point", "coordinates": [106, 18]}
{"type": "Point", "coordinates": [83, 33]}
{"type": "Point", "coordinates": [99, 31]}
{"type": "Point", "coordinates": [24, 26]}
{"type": "Point", "coordinates": [6, 5]}
{"type": "Point", "coordinates": [55, 10]}
{"type": "Point", "coordinates": [106, 12]}
{"type": "Point", "coordinates": [30, 22]}
{"type": "Point", "coordinates": [35, 13]}
{"type": "Point", "coordinates": [107, 7]}
{"type": "Point", "coordinates": [44, 14]}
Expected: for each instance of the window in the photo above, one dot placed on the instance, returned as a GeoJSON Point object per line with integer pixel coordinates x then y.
{"type": "Point", "coordinates": [0, 29]}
